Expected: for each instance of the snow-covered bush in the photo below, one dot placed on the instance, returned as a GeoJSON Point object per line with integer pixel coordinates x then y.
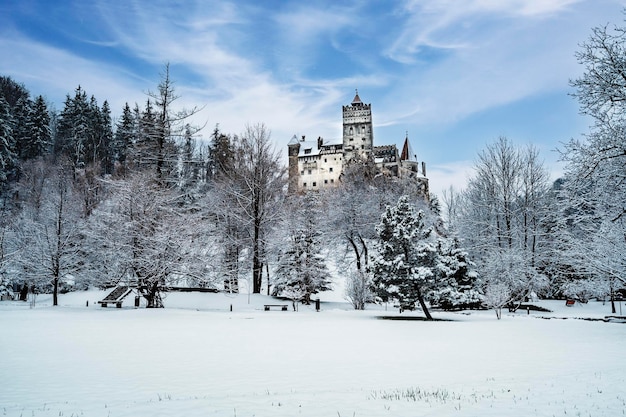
{"type": "Point", "coordinates": [6, 287]}
{"type": "Point", "coordinates": [358, 289]}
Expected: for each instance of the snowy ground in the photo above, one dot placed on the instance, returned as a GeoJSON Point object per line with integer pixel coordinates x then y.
{"type": "Point", "coordinates": [197, 358]}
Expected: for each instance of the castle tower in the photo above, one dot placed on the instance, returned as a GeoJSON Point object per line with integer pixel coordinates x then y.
{"type": "Point", "coordinates": [358, 135]}
{"type": "Point", "coordinates": [293, 151]}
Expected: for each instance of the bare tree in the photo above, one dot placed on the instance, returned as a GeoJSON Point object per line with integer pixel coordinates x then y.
{"type": "Point", "coordinates": [504, 208]}
{"type": "Point", "coordinates": [50, 227]}
{"type": "Point", "coordinates": [253, 193]}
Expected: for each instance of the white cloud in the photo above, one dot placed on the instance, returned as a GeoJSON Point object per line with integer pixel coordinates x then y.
{"type": "Point", "coordinates": [452, 174]}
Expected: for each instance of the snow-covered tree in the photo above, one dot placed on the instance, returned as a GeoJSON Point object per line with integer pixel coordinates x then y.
{"type": "Point", "coordinates": [358, 289]}
{"type": "Point", "coordinates": [456, 277]}
{"type": "Point", "coordinates": [49, 226]}
{"type": "Point", "coordinates": [504, 210]}
{"type": "Point", "coordinates": [497, 295]}
{"type": "Point", "coordinates": [40, 142]}
{"type": "Point", "coordinates": [301, 266]}
{"type": "Point", "coordinates": [252, 191]}
{"type": "Point", "coordinates": [404, 267]}
{"type": "Point", "coordinates": [595, 190]}
{"type": "Point", "coordinates": [8, 156]}
{"type": "Point", "coordinates": [124, 137]}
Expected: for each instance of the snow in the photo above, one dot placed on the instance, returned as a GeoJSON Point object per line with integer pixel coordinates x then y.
{"type": "Point", "coordinates": [197, 358]}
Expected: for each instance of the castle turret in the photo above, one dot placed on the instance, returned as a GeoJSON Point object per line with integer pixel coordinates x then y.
{"type": "Point", "coordinates": [294, 173]}
{"type": "Point", "coordinates": [358, 134]}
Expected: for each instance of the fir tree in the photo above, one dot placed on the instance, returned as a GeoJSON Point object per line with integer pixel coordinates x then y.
{"type": "Point", "coordinates": [8, 157]}
{"type": "Point", "coordinates": [124, 136]}
{"type": "Point", "coordinates": [22, 127]}
{"type": "Point", "coordinates": [41, 135]}
{"type": "Point", "coordinates": [404, 268]}
{"type": "Point", "coordinates": [302, 269]}
{"type": "Point", "coordinates": [105, 133]}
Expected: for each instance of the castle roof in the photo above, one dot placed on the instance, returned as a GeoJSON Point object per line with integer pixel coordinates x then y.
{"type": "Point", "coordinates": [312, 148]}
{"type": "Point", "coordinates": [357, 99]}
{"type": "Point", "coordinates": [293, 141]}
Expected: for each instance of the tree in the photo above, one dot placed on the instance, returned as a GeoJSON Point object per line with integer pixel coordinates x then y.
{"type": "Point", "coordinates": [595, 186]}
{"type": "Point", "coordinates": [8, 157]}
{"type": "Point", "coordinates": [73, 130]}
{"type": "Point", "coordinates": [455, 277]}
{"type": "Point", "coordinates": [49, 226]}
{"type": "Point", "coordinates": [301, 267]}
{"type": "Point", "coordinates": [40, 139]}
{"type": "Point", "coordinates": [404, 266]}
{"type": "Point", "coordinates": [124, 137]}
{"type": "Point", "coordinates": [253, 192]}
{"type": "Point", "coordinates": [221, 155]}
{"type": "Point", "coordinates": [504, 211]}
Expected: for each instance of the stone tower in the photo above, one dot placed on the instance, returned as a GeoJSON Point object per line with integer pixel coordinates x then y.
{"type": "Point", "coordinates": [294, 173]}
{"type": "Point", "coordinates": [358, 135]}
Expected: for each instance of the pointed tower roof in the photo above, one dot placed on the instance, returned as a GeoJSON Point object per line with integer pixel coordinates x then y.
{"type": "Point", "coordinates": [293, 141]}
{"type": "Point", "coordinates": [406, 149]}
{"type": "Point", "coordinates": [357, 99]}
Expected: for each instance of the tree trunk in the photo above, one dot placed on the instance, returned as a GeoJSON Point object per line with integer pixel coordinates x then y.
{"type": "Point", "coordinates": [55, 291]}
{"type": "Point", "coordinates": [423, 305]}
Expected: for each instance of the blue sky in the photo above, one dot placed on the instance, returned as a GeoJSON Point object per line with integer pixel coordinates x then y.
{"type": "Point", "coordinates": [455, 74]}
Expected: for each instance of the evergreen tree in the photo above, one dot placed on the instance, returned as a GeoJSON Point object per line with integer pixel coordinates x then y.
{"type": "Point", "coordinates": [455, 277]}
{"type": "Point", "coordinates": [8, 157]}
{"type": "Point", "coordinates": [221, 155]}
{"type": "Point", "coordinates": [41, 135]}
{"type": "Point", "coordinates": [105, 133]}
{"type": "Point", "coordinates": [74, 129]}
{"type": "Point", "coordinates": [404, 268]}
{"type": "Point", "coordinates": [124, 136]}
{"type": "Point", "coordinates": [302, 269]}
{"type": "Point", "coordinates": [12, 91]}
{"type": "Point", "coordinates": [22, 117]}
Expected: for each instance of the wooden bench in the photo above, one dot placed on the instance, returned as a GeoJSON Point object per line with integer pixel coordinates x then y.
{"type": "Point", "coordinates": [118, 304]}
{"type": "Point", "coordinates": [283, 307]}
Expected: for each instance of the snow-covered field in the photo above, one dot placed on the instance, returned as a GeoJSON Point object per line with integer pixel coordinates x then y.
{"type": "Point", "coordinates": [197, 358]}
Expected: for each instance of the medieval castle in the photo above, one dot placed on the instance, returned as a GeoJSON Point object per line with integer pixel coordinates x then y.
{"type": "Point", "coordinates": [318, 164]}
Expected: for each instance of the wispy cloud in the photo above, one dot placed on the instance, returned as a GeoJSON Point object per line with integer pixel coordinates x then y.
{"type": "Point", "coordinates": [292, 65]}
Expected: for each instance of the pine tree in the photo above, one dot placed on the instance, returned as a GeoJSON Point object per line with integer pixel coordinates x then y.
{"type": "Point", "coordinates": [221, 155]}
{"type": "Point", "coordinates": [455, 277]}
{"type": "Point", "coordinates": [105, 133]}
{"type": "Point", "coordinates": [41, 135]}
{"type": "Point", "coordinates": [74, 130]}
{"type": "Point", "coordinates": [22, 116]}
{"type": "Point", "coordinates": [124, 136]}
{"type": "Point", "coordinates": [302, 269]}
{"type": "Point", "coordinates": [8, 157]}
{"type": "Point", "coordinates": [404, 268]}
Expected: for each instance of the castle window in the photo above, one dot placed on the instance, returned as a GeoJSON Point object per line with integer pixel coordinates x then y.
{"type": "Point", "coordinates": [325, 181]}
{"type": "Point", "coordinates": [302, 172]}
{"type": "Point", "coordinates": [351, 130]}
{"type": "Point", "coordinates": [325, 160]}
{"type": "Point", "coordinates": [314, 184]}
{"type": "Point", "coordinates": [332, 180]}
{"type": "Point", "coordinates": [307, 151]}
{"type": "Point", "coordinates": [331, 169]}
{"type": "Point", "coordinates": [304, 184]}
{"type": "Point", "coordinates": [309, 172]}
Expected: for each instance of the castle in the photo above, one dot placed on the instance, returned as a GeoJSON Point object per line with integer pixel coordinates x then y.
{"type": "Point", "coordinates": [318, 164]}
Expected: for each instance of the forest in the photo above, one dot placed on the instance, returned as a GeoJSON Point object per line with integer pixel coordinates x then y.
{"type": "Point", "coordinates": [91, 201]}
